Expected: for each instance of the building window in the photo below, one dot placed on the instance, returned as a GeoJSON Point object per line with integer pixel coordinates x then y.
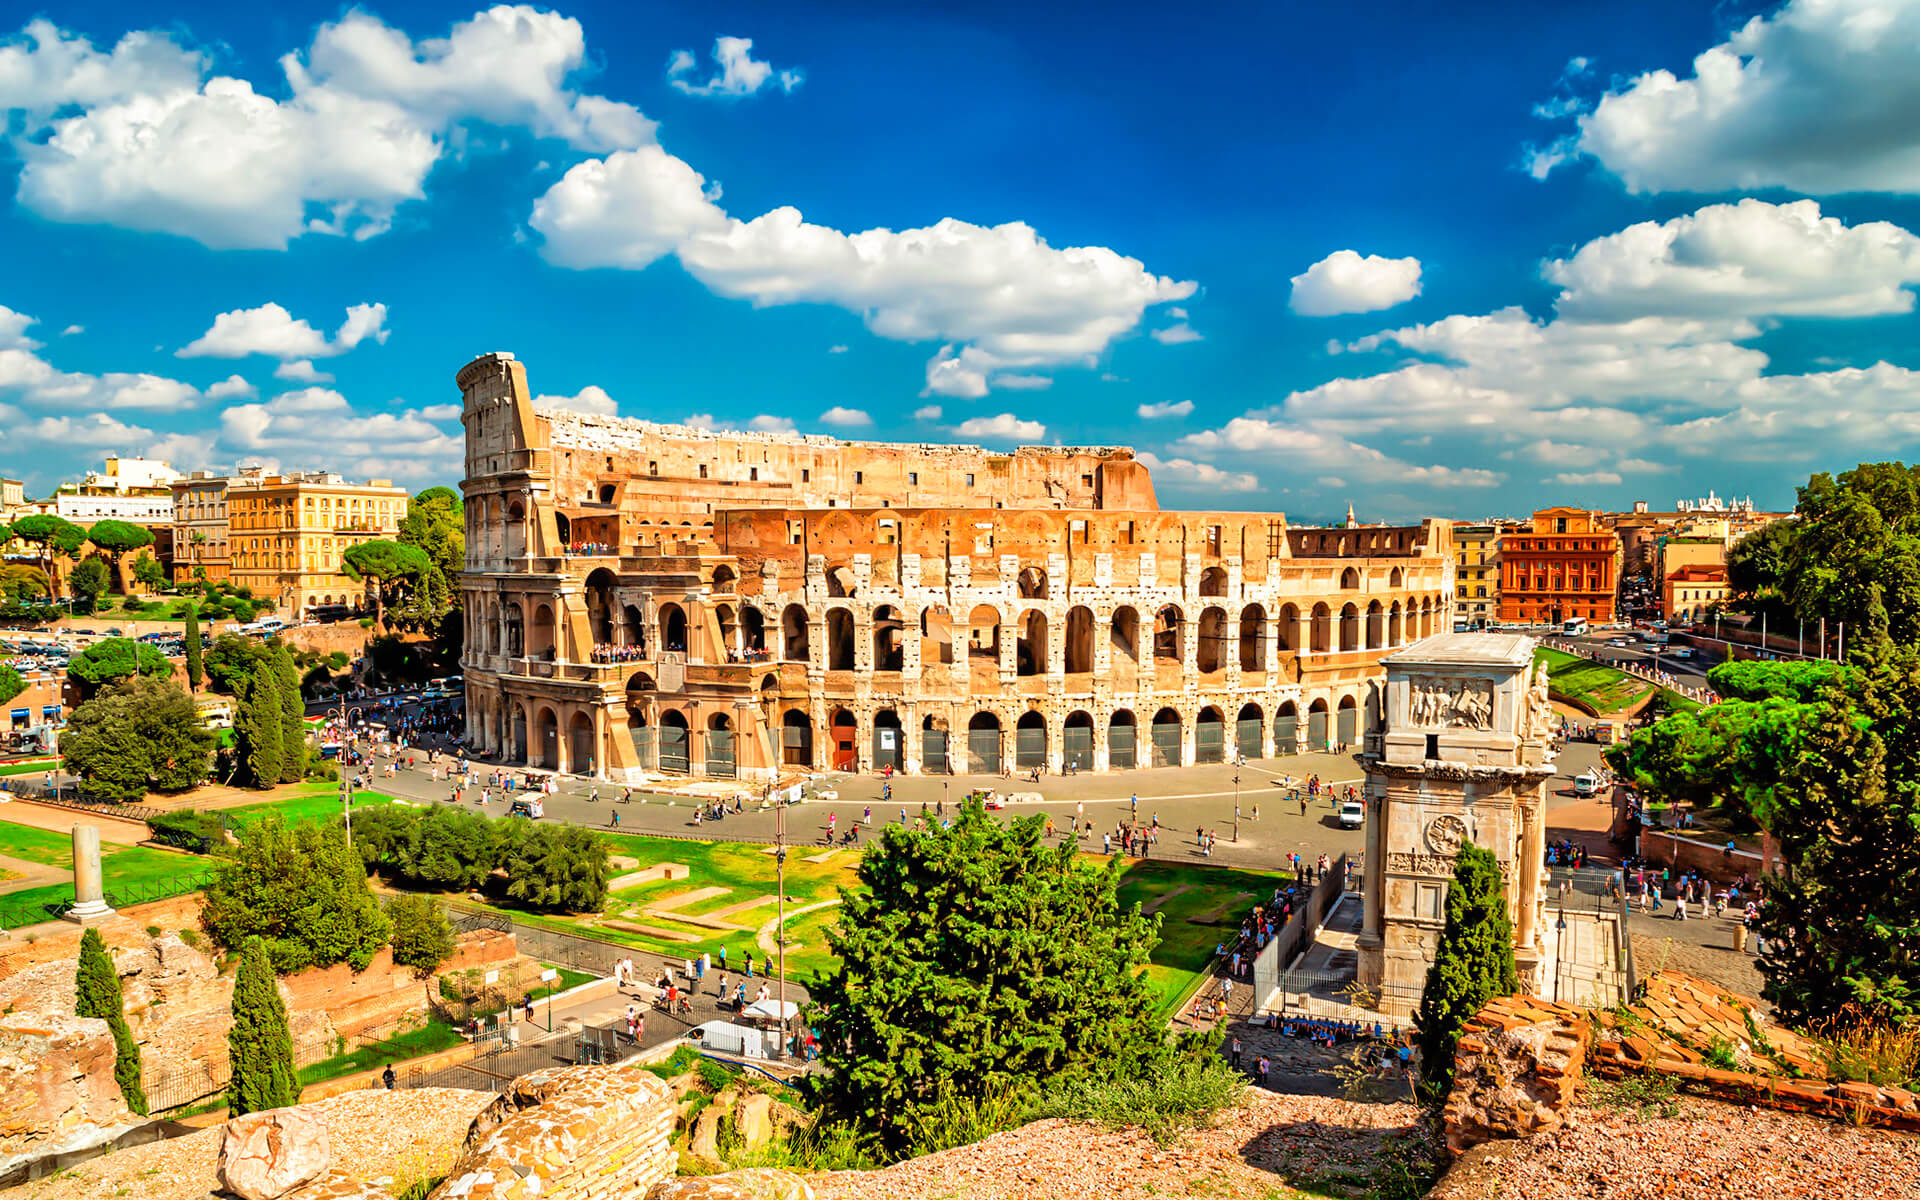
{"type": "Point", "coordinates": [753, 474]}
{"type": "Point", "coordinates": [653, 467]}
{"type": "Point", "coordinates": [796, 531]}
{"type": "Point", "coordinates": [1086, 481]}
{"type": "Point", "coordinates": [1213, 539]}
{"type": "Point", "coordinates": [806, 476]}
{"type": "Point", "coordinates": [969, 478]}
{"type": "Point", "coordinates": [703, 470]}
{"type": "Point", "coordinates": [913, 478]}
{"type": "Point", "coordinates": [859, 477]}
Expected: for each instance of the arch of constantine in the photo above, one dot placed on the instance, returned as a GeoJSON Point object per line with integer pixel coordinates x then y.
{"type": "Point", "coordinates": [656, 599]}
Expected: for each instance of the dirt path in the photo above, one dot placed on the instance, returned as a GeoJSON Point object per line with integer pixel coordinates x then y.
{"type": "Point", "coordinates": [30, 874]}
{"type": "Point", "coordinates": [124, 830]}
{"type": "Point", "coordinates": [765, 936]}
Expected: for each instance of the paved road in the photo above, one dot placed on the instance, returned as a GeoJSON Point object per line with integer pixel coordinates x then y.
{"type": "Point", "coordinates": [1689, 670]}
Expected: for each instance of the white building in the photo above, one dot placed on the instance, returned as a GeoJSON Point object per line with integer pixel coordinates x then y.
{"type": "Point", "coordinates": [140, 510]}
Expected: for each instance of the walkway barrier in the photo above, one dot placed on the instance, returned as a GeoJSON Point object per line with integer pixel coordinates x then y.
{"type": "Point", "coordinates": [568, 950]}
{"type": "Point", "coordinates": [1299, 931]}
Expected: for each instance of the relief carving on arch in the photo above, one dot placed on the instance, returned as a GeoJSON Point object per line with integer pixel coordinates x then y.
{"type": "Point", "coordinates": [1443, 701]}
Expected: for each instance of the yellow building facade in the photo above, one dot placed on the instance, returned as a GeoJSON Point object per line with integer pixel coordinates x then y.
{"type": "Point", "coordinates": [287, 533]}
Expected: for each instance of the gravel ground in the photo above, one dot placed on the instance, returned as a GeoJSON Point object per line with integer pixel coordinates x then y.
{"type": "Point", "coordinates": [1710, 1151]}
{"type": "Point", "coordinates": [1260, 1149]}
{"type": "Point", "coordinates": [374, 1134]}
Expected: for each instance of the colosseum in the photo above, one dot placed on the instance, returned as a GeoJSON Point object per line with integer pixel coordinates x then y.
{"type": "Point", "coordinates": [645, 599]}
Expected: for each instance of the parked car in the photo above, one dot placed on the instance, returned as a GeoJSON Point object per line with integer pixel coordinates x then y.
{"type": "Point", "coordinates": [1353, 814]}
{"type": "Point", "coordinates": [527, 806]}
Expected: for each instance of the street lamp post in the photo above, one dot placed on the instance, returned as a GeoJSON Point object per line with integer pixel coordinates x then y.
{"type": "Point", "coordinates": [780, 922]}
{"type": "Point", "coordinates": [1236, 803]}
{"type": "Point", "coordinates": [345, 716]}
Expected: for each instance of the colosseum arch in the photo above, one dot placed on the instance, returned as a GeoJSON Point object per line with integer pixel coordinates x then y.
{"type": "Point", "coordinates": [1394, 628]}
{"type": "Point", "coordinates": [1320, 628]}
{"type": "Point", "coordinates": [1287, 626]}
{"type": "Point", "coordinates": [546, 745]}
{"type": "Point", "coordinates": [1033, 583]}
{"type": "Point", "coordinates": [1350, 626]}
{"type": "Point", "coordinates": [1376, 625]}
{"type": "Point", "coordinates": [1396, 580]}
{"type": "Point", "coordinates": [753, 630]}
{"type": "Point", "coordinates": [541, 633]}
{"type": "Point", "coordinates": [841, 583]}
{"type": "Point", "coordinates": [1253, 638]}
{"type": "Point", "coordinates": [1349, 580]}
{"type": "Point", "coordinates": [796, 738]}
{"type": "Point", "coordinates": [725, 579]}
{"type": "Point", "coordinates": [1124, 635]}
{"type": "Point", "coordinates": [793, 634]}
{"type": "Point", "coordinates": [1122, 740]}
{"type": "Point", "coordinates": [1210, 736]}
{"type": "Point", "coordinates": [889, 643]}
{"type": "Point", "coordinates": [983, 632]}
{"type": "Point", "coordinates": [600, 605]}
{"type": "Point", "coordinates": [839, 639]}
{"type": "Point", "coordinates": [673, 627]}
{"type": "Point", "coordinates": [633, 626]}
{"type": "Point", "coordinates": [1211, 653]}
{"type": "Point", "coordinates": [1030, 648]}
{"type": "Point", "coordinates": [1248, 729]}
{"type": "Point", "coordinates": [1079, 641]}
{"type": "Point", "coordinates": [1167, 730]}
{"type": "Point", "coordinates": [1167, 633]}
{"type": "Point", "coordinates": [515, 628]}
{"type": "Point", "coordinates": [1213, 581]}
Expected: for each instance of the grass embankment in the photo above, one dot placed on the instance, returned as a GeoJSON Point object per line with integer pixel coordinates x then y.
{"type": "Point", "coordinates": [311, 802]}
{"type": "Point", "coordinates": [1194, 920]}
{"type": "Point", "coordinates": [152, 874]}
{"type": "Point", "coordinates": [1603, 689]}
{"type": "Point", "coordinates": [32, 766]}
{"type": "Point", "coordinates": [430, 1038]}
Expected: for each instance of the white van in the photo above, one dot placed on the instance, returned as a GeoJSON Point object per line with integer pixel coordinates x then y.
{"type": "Point", "coordinates": [1585, 785]}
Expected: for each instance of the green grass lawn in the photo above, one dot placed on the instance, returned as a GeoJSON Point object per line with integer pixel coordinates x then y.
{"type": "Point", "coordinates": [33, 766]}
{"type": "Point", "coordinates": [428, 1039]}
{"type": "Point", "coordinates": [138, 873]}
{"type": "Point", "coordinates": [36, 845]}
{"type": "Point", "coordinates": [310, 802]}
{"type": "Point", "coordinates": [1603, 689]}
{"type": "Point", "coordinates": [1192, 923]}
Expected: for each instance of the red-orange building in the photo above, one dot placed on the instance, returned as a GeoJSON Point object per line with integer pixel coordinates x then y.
{"type": "Point", "coordinates": [1566, 565]}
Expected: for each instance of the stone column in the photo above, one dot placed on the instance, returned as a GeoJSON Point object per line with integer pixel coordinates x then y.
{"type": "Point", "coordinates": [1533, 851]}
{"type": "Point", "coordinates": [89, 900]}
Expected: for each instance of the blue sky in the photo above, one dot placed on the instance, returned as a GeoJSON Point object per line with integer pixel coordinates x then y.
{"type": "Point", "coordinates": [1433, 260]}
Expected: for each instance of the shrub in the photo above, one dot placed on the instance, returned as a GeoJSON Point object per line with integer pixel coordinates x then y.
{"type": "Point", "coordinates": [422, 935]}
{"type": "Point", "coordinates": [187, 829]}
{"type": "Point", "coordinates": [1472, 964]}
{"type": "Point", "coordinates": [96, 989]}
{"type": "Point", "coordinates": [366, 622]}
{"type": "Point", "coordinates": [299, 890]}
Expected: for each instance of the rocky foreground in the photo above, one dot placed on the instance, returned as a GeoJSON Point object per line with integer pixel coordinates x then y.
{"type": "Point", "coordinates": [1275, 1147]}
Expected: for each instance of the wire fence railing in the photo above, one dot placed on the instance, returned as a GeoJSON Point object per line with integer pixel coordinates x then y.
{"type": "Point", "coordinates": [16, 914]}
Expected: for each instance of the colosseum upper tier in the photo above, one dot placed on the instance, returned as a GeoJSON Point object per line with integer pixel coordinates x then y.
{"type": "Point", "coordinates": [646, 599]}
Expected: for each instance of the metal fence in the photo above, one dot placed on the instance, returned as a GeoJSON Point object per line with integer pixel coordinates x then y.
{"type": "Point", "coordinates": [16, 915]}
{"type": "Point", "coordinates": [66, 796]}
{"type": "Point", "coordinates": [1299, 930]}
{"type": "Point", "coordinates": [568, 950]}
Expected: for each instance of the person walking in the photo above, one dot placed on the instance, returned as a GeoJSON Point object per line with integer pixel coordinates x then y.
{"type": "Point", "coordinates": [1233, 1052]}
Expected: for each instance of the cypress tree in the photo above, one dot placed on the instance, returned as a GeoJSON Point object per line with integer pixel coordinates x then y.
{"type": "Point", "coordinates": [1472, 965]}
{"type": "Point", "coordinates": [192, 635]}
{"type": "Point", "coordinates": [259, 1045]}
{"type": "Point", "coordinates": [293, 729]}
{"type": "Point", "coordinates": [257, 729]}
{"type": "Point", "coordinates": [96, 989]}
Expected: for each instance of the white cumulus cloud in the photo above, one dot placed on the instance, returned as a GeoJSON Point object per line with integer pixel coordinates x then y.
{"type": "Point", "coordinates": [1344, 282]}
{"type": "Point", "coordinates": [737, 72]}
{"type": "Point", "coordinates": [590, 399]}
{"type": "Point", "coordinates": [845, 417]}
{"type": "Point", "coordinates": [301, 370]}
{"type": "Point", "coordinates": [273, 331]}
{"type": "Point", "coordinates": [1160, 412]}
{"type": "Point", "coordinates": [121, 138]}
{"type": "Point", "coordinates": [1002, 428]}
{"type": "Point", "coordinates": [1176, 334]}
{"type": "Point", "coordinates": [1185, 472]}
{"type": "Point", "coordinates": [1818, 96]}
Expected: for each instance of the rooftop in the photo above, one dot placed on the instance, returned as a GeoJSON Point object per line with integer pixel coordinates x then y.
{"type": "Point", "coordinates": [1483, 647]}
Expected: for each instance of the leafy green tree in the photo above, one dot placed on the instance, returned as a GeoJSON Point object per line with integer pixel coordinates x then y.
{"type": "Point", "coordinates": [196, 670]}
{"type": "Point", "coordinates": [114, 659]}
{"type": "Point", "coordinates": [148, 573]}
{"type": "Point", "coordinates": [88, 582]}
{"type": "Point", "coordinates": [435, 524]}
{"type": "Point", "coordinates": [55, 537]}
{"type": "Point", "coordinates": [293, 711]}
{"type": "Point", "coordinates": [11, 684]}
{"type": "Point", "coordinates": [137, 736]}
{"type": "Point", "coordinates": [116, 540]}
{"type": "Point", "coordinates": [555, 868]}
{"type": "Point", "coordinates": [387, 566]}
{"type": "Point", "coordinates": [259, 1044]}
{"type": "Point", "coordinates": [301, 890]}
{"type": "Point", "coordinates": [1842, 922]}
{"type": "Point", "coordinates": [1472, 965]}
{"type": "Point", "coordinates": [231, 662]}
{"type": "Point", "coordinates": [96, 988]}
{"type": "Point", "coordinates": [21, 583]}
{"type": "Point", "coordinates": [422, 935]}
{"type": "Point", "coordinates": [259, 730]}
{"type": "Point", "coordinates": [975, 963]}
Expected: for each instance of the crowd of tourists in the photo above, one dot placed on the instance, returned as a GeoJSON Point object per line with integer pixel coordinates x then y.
{"type": "Point", "coordinates": [590, 548]}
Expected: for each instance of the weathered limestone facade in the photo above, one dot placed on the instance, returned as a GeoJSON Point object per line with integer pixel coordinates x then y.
{"type": "Point", "coordinates": [1461, 755]}
{"type": "Point", "coordinates": [646, 598]}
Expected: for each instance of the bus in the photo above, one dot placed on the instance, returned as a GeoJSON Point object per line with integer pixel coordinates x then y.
{"type": "Point", "coordinates": [1573, 626]}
